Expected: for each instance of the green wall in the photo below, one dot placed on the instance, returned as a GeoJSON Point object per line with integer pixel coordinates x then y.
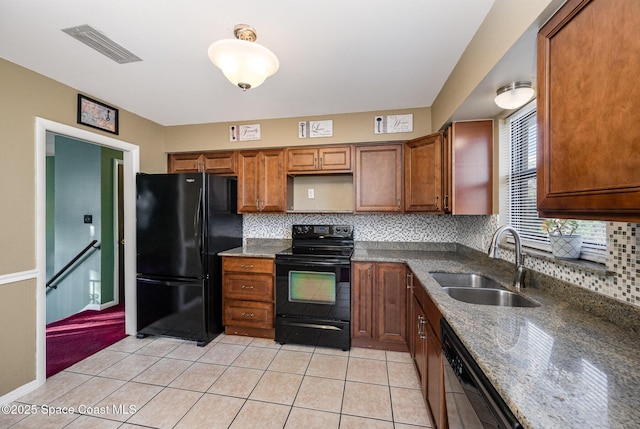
{"type": "Point", "coordinates": [108, 231]}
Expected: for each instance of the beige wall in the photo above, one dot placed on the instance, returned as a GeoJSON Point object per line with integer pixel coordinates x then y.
{"type": "Point", "coordinates": [347, 128]}
{"type": "Point", "coordinates": [505, 23]}
{"type": "Point", "coordinates": [26, 95]}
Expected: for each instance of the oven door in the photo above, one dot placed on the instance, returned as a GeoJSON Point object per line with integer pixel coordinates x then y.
{"type": "Point", "coordinates": [313, 288]}
{"type": "Point", "coordinates": [313, 302]}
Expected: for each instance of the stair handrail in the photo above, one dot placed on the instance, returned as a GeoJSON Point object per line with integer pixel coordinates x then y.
{"type": "Point", "coordinates": [70, 263]}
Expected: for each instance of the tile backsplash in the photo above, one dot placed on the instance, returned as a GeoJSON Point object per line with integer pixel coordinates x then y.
{"type": "Point", "coordinates": [474, 232]}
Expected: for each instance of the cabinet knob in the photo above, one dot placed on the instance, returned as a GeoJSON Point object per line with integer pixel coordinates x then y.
{"type": "Point", "coordinates": [247, 287]}
{"type": "Point", "coordinates": [247, 314]}
{"type": "Point", "coordinates": [437, 203]}
{"type": "Point", "coordinates": [249, 266]}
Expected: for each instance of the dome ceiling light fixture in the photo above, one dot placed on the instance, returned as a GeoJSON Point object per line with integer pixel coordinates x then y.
{"type": "Point", "coordinates": [514, 95]}
{"type": "Point", "coordinates": [243, 61]}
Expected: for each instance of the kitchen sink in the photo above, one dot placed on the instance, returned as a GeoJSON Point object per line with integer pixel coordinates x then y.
{"type": "Point", "coordinates": [465, 280]}
{"type": "Point", "coordinates": [499, 297]}
{"type": "Point", "coordinates": [478, 289]}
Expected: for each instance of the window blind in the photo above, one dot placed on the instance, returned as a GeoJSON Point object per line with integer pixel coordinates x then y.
{"type": "Point", "coordinates": [518, 136]}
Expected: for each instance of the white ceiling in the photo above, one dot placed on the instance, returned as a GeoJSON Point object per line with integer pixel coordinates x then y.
{"type": "Point", "coordinates": [336, 56]}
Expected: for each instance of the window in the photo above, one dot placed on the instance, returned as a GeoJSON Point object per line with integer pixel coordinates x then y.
{"type": "Point", "coordinates": [518, 187]}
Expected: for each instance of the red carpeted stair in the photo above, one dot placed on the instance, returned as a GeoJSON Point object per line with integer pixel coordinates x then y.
{"type": "Point", "coordinates": [76, 337]}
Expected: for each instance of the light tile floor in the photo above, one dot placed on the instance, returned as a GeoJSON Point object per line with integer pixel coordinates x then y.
{"type": "Point", "coordinates": [233, 382]}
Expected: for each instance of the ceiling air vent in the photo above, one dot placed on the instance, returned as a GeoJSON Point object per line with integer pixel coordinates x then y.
{"type": "Point", "coordinates": [101, 43]}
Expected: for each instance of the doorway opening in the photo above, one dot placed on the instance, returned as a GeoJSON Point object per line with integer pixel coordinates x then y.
{"type": "Point", "coordinates": [129, 166]}
{"type": "Point", "coordinates": [84, 202]}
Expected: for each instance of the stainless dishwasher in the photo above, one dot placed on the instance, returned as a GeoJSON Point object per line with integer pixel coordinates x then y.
{"type": "Point", "coordinates": [471, 400]}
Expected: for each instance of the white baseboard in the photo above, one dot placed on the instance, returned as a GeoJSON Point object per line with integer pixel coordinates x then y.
{"type": "Point", "coordinates": [20, 392]}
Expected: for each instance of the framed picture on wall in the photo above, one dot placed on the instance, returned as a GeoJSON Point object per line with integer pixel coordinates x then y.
{"type": "Point", "coordinates": [93, 113]}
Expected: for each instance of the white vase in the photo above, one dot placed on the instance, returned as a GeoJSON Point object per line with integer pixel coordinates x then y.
{"type": "Point", "coordinates": [566, 246]}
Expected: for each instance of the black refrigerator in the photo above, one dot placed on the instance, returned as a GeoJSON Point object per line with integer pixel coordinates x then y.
{"type": "Point", "coordinates": [183, 221]}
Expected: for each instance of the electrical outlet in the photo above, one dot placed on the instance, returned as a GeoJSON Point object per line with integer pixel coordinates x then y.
{"type": "Point", "coordinates": [88, 218]}
{"type": "Point", "coordinates": [311, 193]}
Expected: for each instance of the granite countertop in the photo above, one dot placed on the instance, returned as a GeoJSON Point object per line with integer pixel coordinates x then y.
{"type": "Point", "coordinates": [556, 366]}
{"type": "Point", "coordinates": [258, 249]}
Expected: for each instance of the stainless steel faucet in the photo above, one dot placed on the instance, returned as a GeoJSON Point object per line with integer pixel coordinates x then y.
{"type": "Point", "coordinates": [518, 279]}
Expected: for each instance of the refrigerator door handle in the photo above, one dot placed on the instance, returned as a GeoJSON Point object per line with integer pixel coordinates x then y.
{"type": "Point", "coordinates": [163, 282]}
{"type": "Point", "coordinates": [197, 222]}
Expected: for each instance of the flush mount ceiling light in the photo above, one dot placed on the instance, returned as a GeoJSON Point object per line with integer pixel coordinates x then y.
{"type": "Point", "coordinates": [243, 61]}
{"type": "Point", "coordinates": [514, 95]}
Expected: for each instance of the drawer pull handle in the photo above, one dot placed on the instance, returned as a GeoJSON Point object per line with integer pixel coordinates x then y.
{"type": "Point", "coordinates": [247, 314]}
{"type": "Point", "coordinates": [246, 266]}
{"type": "Point", "coordinates": [247, 287]}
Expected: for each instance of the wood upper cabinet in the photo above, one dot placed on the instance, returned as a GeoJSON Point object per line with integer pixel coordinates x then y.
{"type": "Point", "coordinates": [316, 160]}
{"type": "Point", "coordinates": [223, 163]}
{"type": "Point", "coordinates": [588, 110]}
{"type": "Point", "coordinates": [378, 178]}
{"type": "Point", "coordinates": [378, 306]}
{"type": "Point", "coordinates": [468, 168]}
{"type": "Point", "coordinates": [184, 162]}
{"type": "Point", "coordinates": [261, 181]}
{"type": "Point", "coordinates": [423, 175]}
{"type": "Point", "coordinates": [217, 162]}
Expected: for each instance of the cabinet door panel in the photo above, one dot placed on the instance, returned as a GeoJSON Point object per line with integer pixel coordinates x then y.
{"type": "Point", "coordinates": [302, 160]}
{"type": "Point", "coordinates": [435, 379]}
{"type": "Point", "coordinates": [588, 111]}
{"type": "Point", "coordinates": [390, 293]}
{"type": "Point", "coordinates": [220, 162]}
{"type": "Point", "coordinates": [335, 158]}
{"type": "Point", "coordinates": [378, 183]}
{"type": "Point", "coordinates": [420, 355]}
{"type": "Point", "coordinates": [248, 182]}
{"type": "Point", "coordinates": [272, 182]}
{"type": "Point", "coordinates": [361, 301]}
{"type": "Point", "coordinates": [184, 163]}
{"type": "Point", "coordinates": [471, 155]}
{"type": "Point", "coordinates": [423, 175]}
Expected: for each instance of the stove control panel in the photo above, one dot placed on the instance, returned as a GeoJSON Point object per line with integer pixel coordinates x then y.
{"type": "Point", "coordinates": [322, 231]}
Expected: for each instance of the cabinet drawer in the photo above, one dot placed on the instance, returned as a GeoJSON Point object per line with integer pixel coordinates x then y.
{"type": "Point", "coordinates": [247, 265]}
{"type": "Point", "coordinates": [248, 287]}
{"type": "Point", "coordinates": [249, 314]}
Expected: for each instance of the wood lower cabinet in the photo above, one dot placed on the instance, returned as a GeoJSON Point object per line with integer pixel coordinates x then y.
{"type": "Point", "coordinates": [378, 178]}
{"type": "Point", "coordinates": [248, 297]}
{"type": "Point", "coordinates": [216, 162]}
{"type": "Point", "coordinates": [425, 348]}
{"type": "Point", "coordinates": [588, 111]}
{"type": "Point", "coordinates": [468, 168]}
{"type": "Point", "coordinates": [261, 181]}
{"type": "Point", "coordinates": [423, 175]}
{"type": "Point", "coordinates": [318, 160]}
{"type": "Point", "coordinates": [378, 306]}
